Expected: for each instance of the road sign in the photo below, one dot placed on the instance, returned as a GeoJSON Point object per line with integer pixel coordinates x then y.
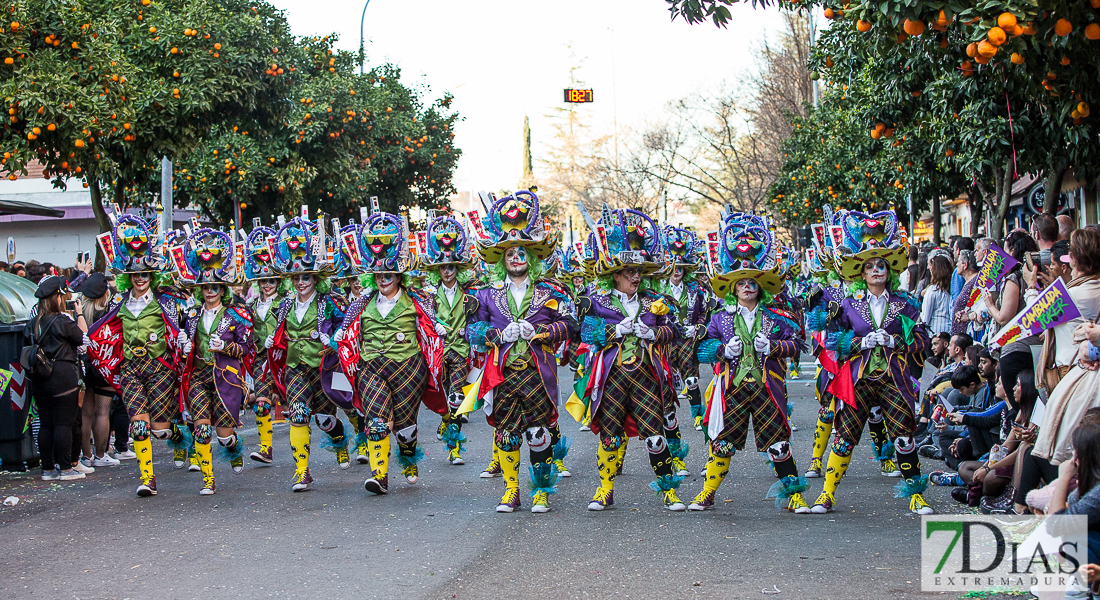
{"type": "Point", "coordinates": [575, 96]}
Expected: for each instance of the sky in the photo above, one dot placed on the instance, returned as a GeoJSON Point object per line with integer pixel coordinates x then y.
{"type": "Point", "coordinates": [503, 59]}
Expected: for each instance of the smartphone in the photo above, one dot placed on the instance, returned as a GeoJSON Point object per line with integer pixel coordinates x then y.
{"type": "Point", "coordinates": [70, 305]}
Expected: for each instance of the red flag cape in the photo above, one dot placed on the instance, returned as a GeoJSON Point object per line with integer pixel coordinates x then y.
{"type": "Point", "coordinates": [842, 386]}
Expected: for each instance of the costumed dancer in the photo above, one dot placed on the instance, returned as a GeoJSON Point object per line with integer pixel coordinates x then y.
{"type": "Point", "coordinates": [218, 347]}
{"type": "Point", "coordinates": [390, 345]}
{"type": "Point", "coordinates": [630, 389]}
{"type": "Point", "coordinates": [302, 355]}
{"type": "Point", "coordinates": [748, 342]}
{"type": "Point", "coordinates": [259, 268]}
{"type": "Point", "coordinates": [448, 262]}
{"type": "Point", "coordinates": [522, 318]}
{"type": "Point", "coordinates": [134, 344]}
{"type": "Point", "coordinates": [577, 268]}
{"type": "Point", "coordinates": [874, 335]}
{"type": "Point", "coordinates": [346, 278]}
{"type": "Point", "coordinates": [692, 307]}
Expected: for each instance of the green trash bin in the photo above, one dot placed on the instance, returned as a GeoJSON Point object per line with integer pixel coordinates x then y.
{"type": "Point", "coordinates": [17, 446]}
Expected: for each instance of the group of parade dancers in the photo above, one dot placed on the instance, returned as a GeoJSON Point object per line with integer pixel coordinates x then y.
{"type": "Point", "coordinates": [370, 320]}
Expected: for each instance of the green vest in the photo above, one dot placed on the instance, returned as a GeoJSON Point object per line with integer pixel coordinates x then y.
{"type": "Point", "coordinates": [301, 347]}
{"type": "Point", "coordinates": [518, 355]}
{"type": "Point", "coordinates": [454, 319]}
{"type": "Point", "coordinates": [137, 330]}
{"type": "Point", "coordinates": [202, 337]}
{"type": "Point", "coordinates": [631, 346]}
{"type": "Point", "coordinates": [876, 364]}
{"type": "Point", "coordinates": [750, 363]}
{"type": "Point", "coordinates": [379, 335]}
{"type": "Point", "coordinates": [261, 329]}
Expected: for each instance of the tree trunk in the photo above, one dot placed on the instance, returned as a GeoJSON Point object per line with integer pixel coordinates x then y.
{"type": "Point", "coordinates": [1090, 203]}
{"type": "Point", "coordinates": [1003, 182]}
{"type": "Point", "coordinates": [976, 203]}
{"type": "Point", "coordinates": [101, 220]}
{"type": "Point", "coordinates": [937, 234]}
{"type": "Point", "coordinates": [1053, 187]}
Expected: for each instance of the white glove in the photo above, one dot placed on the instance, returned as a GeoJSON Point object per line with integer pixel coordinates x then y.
{"type": "Point", "coordinates": [869, 341]}
{"type": "Point", "coordinates": [644, 331]}
{"type": "Point", "coordinates": [269, 342]}
{"type": "Point", "coordinates": [526, 330]}
{"type": "Point", "coordinates": [339, 337]}
{"type": "Point", "coordinates": [761, 343]}
{"type": "Point", "coordinates": [325, 338]}
{"type": "Point", "coordinates": [181, 339]}
{"type": "Point", "coordinates": [87, 342]}
{"type": "Point", "coordinates": [216, 344]}
{"type": "Point", "coordinates": [440, 330]}
{"type": "Point", "coordinates": [510, 333]}
{"type": "Point", "coordinates": [624, 328]}
{"type": "Point", "coordinates": [187, 347]}
{"type": "Point", "coordinates": [734, 347]}
{"type": "Point", "coordinates": [885, 339]}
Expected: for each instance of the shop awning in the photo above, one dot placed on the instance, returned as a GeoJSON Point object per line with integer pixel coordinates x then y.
{"type": "Point", "coordinates": [16, 207]}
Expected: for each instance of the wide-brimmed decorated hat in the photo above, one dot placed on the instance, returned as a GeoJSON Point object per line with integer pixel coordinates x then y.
{"type": "Point", "coordinates": [746, 250]}
{"type": "Point", "coordinates": [631, 239]}
{"type": "Point", "coordinates": [868, 236]}
{"type": "Point", "coordinates": [259, 254]}
{"type": "Point", "coordinates": [574, 264]}
{"type": "Point", "coordinates": [298, 249]}
{"type": "Point", "coordinates": [383, 245]}
{"type": "Point", "coordinates": [514, 221]}
{"type": "Point", "coordinates": [345, 255]}
{"type": "Point", "coordinates": [789, 262]}
{"type": "Point", "coordinates": [209, 258]}
{"type": "Point", "coordinates": [134, 246]}
{"type": "Point", "coordinates": [447, 244]}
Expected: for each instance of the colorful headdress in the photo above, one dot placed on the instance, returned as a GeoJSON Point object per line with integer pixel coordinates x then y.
{"type": "Point", "coordinates": [683, 246]}
{"type": "Point", "coordinates": [867, 237]}
{"type": "Point", "coordinates": [346, 256]}
{"type": "Point", "coordinates": [383, 245]}
{"type": "Point", "coordinates": [298, 248]}
{"type": "Point", "coordinates": [574, 264]}
{"type": "Point", "coordinates": [630, 239]}
{"type": "Point", "coordinates": [447, 244]}
{"type": "Point", "coordinates": [746, 250]}
{"type": "Point", "coordinates": [259, 254]}
{"type": "Point", "coordinates": [209, 257]}
{"type": "Point", "coordinates": [135, 246]}
{"type": "Point", "coordinates": [516, 221]}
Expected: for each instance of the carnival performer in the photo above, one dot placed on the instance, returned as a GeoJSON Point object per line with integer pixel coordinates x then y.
{"type": "Point", "coordinates": [259, 268]}
{"type": "Point", "coordinates": [630, 389]}
{"type": "Point", "coordinates": [390, 344]}
{"type": "Point", "coordinates": [448, 262]}
{"type": "Point", "coordinates": [346, 278]}
{"type": "Point", "coordinates": [521, 320]}
{"type": "Point", "coordinates": [748, 341]}
{"type": "Point", "coordinates": [133, 346]}
{"type": "Point", "coordinates": [218, 347]}
{"type": "Point", "coordinates": [301, 352]}
{"type": "Point", "coordinates": [692, 307]}
{"type": "Point", "coordinates": [874, 335]}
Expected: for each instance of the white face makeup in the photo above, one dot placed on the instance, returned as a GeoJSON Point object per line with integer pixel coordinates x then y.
{"type": "Point", "coordinates": [387, 283]}
{"type": "Point", "coordinates": [628, 280]}
{"type": "Point", "coordinates": [211, 294]}
{"type": "Point", "coordinates": [304, 284]}
{"type": "Point", "coordinates": [141, 283]}
{"type": "Point", "coordinates": [269, 287]}
{"type": "Point", "coordinates": [515, 261]}
{"type": "Point", "coordinates": [677, 275]}
{"type": "Point", "coordinates": [875, 271]}
{"type": "Point", "coordinates": [449, 274]}
{"type": "Point", "coordinates": [746, 290]}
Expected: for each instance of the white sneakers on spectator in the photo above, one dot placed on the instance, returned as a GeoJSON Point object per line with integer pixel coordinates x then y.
{"type": "Point", "coordinates": [105, 461]}
{"type": "Point", "coordinates": [125, 455]}
{"type": "Point", "coordinates": [71, 475]}
{"type": "Point", "coordinates": [81, 468]}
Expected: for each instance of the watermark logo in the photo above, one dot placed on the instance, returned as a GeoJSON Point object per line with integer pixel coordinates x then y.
{"type": "Point", "coordinates": [1022, 553]}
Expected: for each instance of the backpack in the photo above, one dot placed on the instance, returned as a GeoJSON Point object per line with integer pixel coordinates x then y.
{"type": "Point", "coordinates": [33, 359]}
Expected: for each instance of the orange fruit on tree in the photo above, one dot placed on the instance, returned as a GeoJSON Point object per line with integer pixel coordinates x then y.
{"type": "Point", "coordinates": [79, 143]}
{"type": "Point", "coordinates": [152, 30]}
{"type": "Point", "coordinates": [1029, 29]}
{"type": "Point", "coordinates": [950, 153]}
{"type": "Point", "coordinates": [829, 14]}
{"type": "Point", "coordinates": [9, 61]}
{"type": "Point", "coordinates": [1065, 61]}
{"type": "Point", "coordinates": [996, 36]}
{"type": "Point", "coordinates": [15, 25]}
{"type": "Point", "coordinates": [942, 19]}
{"type": "Point", "coordinates": [913, 27]}
{"type": "Point", "coordinates": [1083, 108]}
{"type": "Point", "coordinates": [966, 68]}
{"type": "Point", "coordinates": [1094, 3]}
{"type": "Point", "coordinates": [1063, 27]}
{"type": "Point", "coordinates": [51, 127]}
{"type": "Point", "coordinates": [863, 26]}
{"type": "Point", "coordinates": [1092, 31]}
{"type": "Point", "coordinates": [983, 60]}
{"type": "Point", "coordinates": [986, 50]}
{"type": "Point", "coordinates": [1017, 59]}
{"type": "Point", "coordinates": [1006, 21]}
{"type": "Point", "coordinates": [971, 49]}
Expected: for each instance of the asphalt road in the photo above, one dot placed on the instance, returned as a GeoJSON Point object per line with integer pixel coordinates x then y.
{"type": "Point", "coordinates": [441, 538]}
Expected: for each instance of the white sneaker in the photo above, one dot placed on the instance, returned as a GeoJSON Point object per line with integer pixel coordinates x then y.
{"type": "Point", "coordinates": [585, 428]}
{"type": "Point", "coordinates": [105, 461]}
{"type": "Point", "coordinates": [81, 468]}
{"type": "Point", "coordinates": [84, 460]}
{"type": "Point", "coordinates": [125, 455]}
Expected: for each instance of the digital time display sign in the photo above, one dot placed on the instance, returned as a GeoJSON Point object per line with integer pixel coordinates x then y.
{"type": "Point", "coordinates": [578, 95]}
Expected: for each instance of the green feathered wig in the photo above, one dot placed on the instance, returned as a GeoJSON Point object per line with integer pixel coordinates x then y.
{"type": "Point", "coordinates": [123, 283]}
{"type": "Point", "coordinates": [322, 286]}
{"type": "Point", "coordinates": [860, 284]}
{"type": "Point", "coordinates": [464, 276]}
{"type": "Point", "coordinates": [227, 294]}
{"type": "Point", "coordinates": [498, 274]}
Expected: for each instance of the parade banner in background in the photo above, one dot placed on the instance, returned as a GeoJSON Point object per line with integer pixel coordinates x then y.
{"type": "Point", "coordinates": [107, 245]}
{"type": "Point", "coordinates": [996, 265]}
{"type": "Point", "coordinates": [1052, 308]}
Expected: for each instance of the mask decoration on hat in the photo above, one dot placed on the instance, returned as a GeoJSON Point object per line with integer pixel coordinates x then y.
{"type": "Point", "coordinates": [134, 241]}
{"type": "Point", "coordinates": [383, 245]}
{"type": "Point", "coordinates": [210, 257]}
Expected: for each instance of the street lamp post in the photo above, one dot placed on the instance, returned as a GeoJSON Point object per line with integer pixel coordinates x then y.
{"type": "Point", "coordinates": [362, 53]}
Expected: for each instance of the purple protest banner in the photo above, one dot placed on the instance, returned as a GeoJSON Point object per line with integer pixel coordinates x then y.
{"type": "Point", "coordinates": [997, 263]}
{"type": "Point", "coordinates": [1052, 308]}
